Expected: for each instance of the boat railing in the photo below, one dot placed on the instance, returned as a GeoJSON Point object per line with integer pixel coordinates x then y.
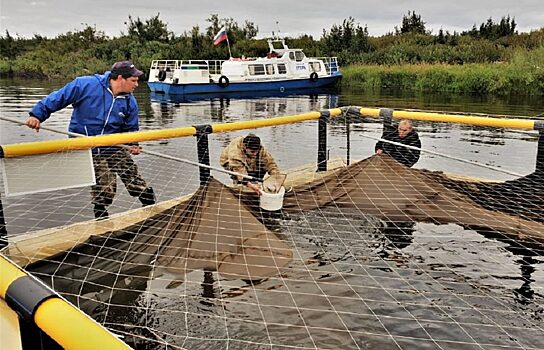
{"type": "Point", "coordinates": [166, 65]}
{"type": "Point", "coordinates": [331, 64]}
{"type": "Point", "coordinates": [213, 66]}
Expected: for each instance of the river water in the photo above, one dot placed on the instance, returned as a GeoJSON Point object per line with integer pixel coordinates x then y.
{"type": "Point", "coordinates": [427, 287]}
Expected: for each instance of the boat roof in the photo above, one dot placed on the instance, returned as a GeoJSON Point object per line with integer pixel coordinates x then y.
{"type": "Point", "coordinates": [274, 46]}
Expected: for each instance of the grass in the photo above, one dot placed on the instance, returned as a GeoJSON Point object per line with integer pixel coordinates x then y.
{"type": "Point", "coordinates": [523, 74]}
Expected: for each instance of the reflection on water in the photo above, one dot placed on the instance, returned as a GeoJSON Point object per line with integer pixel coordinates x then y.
{"type": "Point", "coordinates": [227, 108]}
{"type": "Point", "coordinates": [251, 95]}
{"type": "Point", "coordinates": [407, 285]}
{"type": "Point", "coordinates": [524, 294]}
{"type": "Point", "coordinates": [396, 236]}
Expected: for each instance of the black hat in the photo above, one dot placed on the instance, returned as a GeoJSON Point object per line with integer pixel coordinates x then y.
{"type": "Point", "coordinates": [125, 69]}
{"type": "Point", "coordinates": [253, 142]}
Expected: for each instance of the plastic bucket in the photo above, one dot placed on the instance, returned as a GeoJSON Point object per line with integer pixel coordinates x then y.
{"type": "Point", "coordinates": [272, 201]}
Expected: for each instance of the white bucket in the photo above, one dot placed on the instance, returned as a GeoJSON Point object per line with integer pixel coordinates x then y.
{"type": "Point", "coordinates": [272, 201]}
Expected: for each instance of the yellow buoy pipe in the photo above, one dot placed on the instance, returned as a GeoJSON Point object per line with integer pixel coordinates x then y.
{"type": "Point", "coordinates": [44, 147]}
{"type": "Point", "coordinates": [8, 273]}
{"type": "Point", "coordinates": [52, 146]}
{"type": "Point", "coordinates": [72, 329]}
{"type": "Point", "coordinates": [453, 118]}
{"type": "Point", "coordinates": [63, 322]}
{"type": "Point", "coordinates": [261, 123]}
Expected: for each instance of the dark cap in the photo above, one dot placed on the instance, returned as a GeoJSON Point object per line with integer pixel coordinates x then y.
{"type": "Point", "coordinates": [126, 69]}
{"type": "Point", "coordinates": [253, 142]}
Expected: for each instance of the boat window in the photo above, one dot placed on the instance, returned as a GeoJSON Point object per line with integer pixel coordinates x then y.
{"type": "Point", "coordinates": [292, 56]}
{"type": "Point", "coordinates": [299, 56]}
{"type": "Point", "coordinates": [315, 67]}
{"type": "Point", "coordinates": [281, 68]}
{"type": "Point", "coordinates": [269, 69]}
{"type": "Point", "coordinates": [256, 69]}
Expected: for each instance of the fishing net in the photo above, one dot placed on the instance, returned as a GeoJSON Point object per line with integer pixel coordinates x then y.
{"type": "Point", "coordinates": [367, 255]}
{"type": "Point", "coordinates": [382, 187]}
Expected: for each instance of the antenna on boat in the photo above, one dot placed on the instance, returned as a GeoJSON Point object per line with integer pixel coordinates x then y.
{"type": "Point", "coordinates": [278, 31]}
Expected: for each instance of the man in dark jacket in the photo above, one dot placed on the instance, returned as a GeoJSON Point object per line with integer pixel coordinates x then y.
{"type": "Point", "coordinates": [103, 104]}
{"type": "Point", "coordinates": [405, 135]}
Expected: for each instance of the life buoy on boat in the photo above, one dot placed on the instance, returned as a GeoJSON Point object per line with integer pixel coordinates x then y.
{"type": "Point", "coordinates": [223, 81]}
{"type": "Point", "coordinates": [162, 75]}
{"type": "Point", "coordinates": [313, 76]}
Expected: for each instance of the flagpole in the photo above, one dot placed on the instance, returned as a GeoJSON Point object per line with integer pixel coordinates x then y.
{"type": "Point", "coordinates": [228, 44]}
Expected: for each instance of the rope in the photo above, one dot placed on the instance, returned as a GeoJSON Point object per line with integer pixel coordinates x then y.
{"type": "Point", "coordinates": [346, 112]}
{"type": "Point", "coordinates": [446, 156]}
{"type": "Point", "coordinates": [255, 179]}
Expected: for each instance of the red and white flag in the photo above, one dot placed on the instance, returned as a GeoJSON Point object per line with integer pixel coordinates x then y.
{"type": "Point", "coordinates": [220, 36]}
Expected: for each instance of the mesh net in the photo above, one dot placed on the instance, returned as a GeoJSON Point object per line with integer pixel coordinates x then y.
{"type": "Point", "coordinates": [367, 255]}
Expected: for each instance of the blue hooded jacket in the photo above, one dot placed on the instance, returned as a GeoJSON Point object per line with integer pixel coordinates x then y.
{"type": "Point", "coordinates": [96, 111]}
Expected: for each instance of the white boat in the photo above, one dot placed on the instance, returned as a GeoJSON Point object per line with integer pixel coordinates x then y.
{"type": "Point", "coordinates": [283, 69]}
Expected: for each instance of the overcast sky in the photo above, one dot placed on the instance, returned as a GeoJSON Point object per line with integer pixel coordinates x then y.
{"type": "Point", "coordinates": [52, 17]}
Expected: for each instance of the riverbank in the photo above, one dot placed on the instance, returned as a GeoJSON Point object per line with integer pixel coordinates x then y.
{"type": "Point", "coordinates": [523, 75]}
{"type": "Point", "coordinates": [500, 78]}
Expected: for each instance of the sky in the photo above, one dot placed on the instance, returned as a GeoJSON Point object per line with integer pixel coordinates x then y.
{"type": "Point", "coordinates": [50, 18]}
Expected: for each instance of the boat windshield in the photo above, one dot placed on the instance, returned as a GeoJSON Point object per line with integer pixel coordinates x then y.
{"type": "Point", "coordinates": [297, 56]}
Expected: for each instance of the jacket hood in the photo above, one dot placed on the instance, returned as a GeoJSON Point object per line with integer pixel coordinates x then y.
{"type": "Point", "coordinates": [104, 79]}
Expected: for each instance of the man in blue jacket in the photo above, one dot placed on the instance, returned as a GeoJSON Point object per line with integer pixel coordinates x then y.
{"type": "Point", "coordinates": [103, 104]}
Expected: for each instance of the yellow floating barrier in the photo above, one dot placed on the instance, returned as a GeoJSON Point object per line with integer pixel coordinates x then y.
{"type": "Point", "coordinates": [63, 322]}
{"type": "Point", "coordinates": [44, 147]}
{"type": "Point", "coordinates": [454, 118]}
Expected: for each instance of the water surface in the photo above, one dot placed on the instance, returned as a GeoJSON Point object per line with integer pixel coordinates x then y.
{"type": "Point", "coordinates": [354, 283]}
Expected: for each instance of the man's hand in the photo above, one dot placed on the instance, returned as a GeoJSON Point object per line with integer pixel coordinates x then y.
{"type": "Point", "coordinates": [255, 187]}
{"type": "Point", "coordinates": [379, 151]}
{"type": "Point", "coordinates": [33, 123]}
{"type": "Point", "coordinates": [135, 150]}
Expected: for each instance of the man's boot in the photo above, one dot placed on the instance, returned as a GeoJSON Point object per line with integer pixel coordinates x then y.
{"type": "Point", "coordinates": [100, 212]}
{"type": "Point", "coordinates": [147, 197]}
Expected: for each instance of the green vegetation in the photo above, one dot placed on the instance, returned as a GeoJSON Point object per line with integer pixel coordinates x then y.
{"type": "Point", "coordinates": [500, 78]}
{"type": "Point", "coordinates": [523, 74]}
{"type": "Point", "coordinates": [492, 58]}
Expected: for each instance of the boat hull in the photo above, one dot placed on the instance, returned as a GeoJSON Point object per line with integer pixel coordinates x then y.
{"type": "Point", "coordinates": [278, 85]}
{"type": "Point", "coordinates": [331, 92]}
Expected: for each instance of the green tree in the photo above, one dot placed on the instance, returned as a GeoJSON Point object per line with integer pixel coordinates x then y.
{"type": "Point", "coordinates": [8, 47]}
{"type": "Point", "coordinates": [153, 29]}
{"type": "Point", "coordinates": [236, 34]}
{"type": "Point", "coordinates": [412, 23]}
{"type": "Point", "coordinates": [493, 31]}
{"type": "Point", "coordinates": [234, 31]}
{"type": "Point", "coordinates": [197, 42]}
{"type": "Point", "coordinates": [348, 37]}
{"type": "Point", "coordinates": [12, 47]}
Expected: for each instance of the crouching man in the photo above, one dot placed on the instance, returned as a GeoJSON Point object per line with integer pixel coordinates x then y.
{"type": "Point", "coordinates": [247, 156]}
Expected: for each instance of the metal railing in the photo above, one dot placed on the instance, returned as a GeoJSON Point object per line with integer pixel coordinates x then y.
{"type": "Point", "coordinates": [331, 64]}
{"type": "Point", "coordinates": [213, 66]}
